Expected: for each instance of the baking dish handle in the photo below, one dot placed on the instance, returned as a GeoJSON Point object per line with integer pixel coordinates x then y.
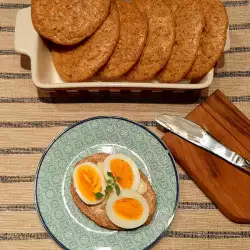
{"type": "Point", "coordinates": [227, 45]}
{"type": "Point", "coordinates": [25, 33]}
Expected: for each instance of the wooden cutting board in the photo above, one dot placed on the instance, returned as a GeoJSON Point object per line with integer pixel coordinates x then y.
{"type": "Point", "coordinates": [225, 185]}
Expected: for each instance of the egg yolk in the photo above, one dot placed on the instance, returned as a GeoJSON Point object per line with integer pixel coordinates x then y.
{"type": "Point", "coordinates": [88, 182]}
{"type": "Point", "coordinates": [123, 173]}
{"type": "Point", "coordinates": [128, 208]}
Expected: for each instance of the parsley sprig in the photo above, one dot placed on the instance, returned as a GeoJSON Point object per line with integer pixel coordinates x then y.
{"type": "Point", "coordinates": [111, 185]}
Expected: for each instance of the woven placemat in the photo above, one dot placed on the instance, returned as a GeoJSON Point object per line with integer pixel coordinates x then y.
{"type": "Point", "coordinates": [30, 119]}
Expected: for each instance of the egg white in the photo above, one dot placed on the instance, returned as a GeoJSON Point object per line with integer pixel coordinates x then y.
{"type": "Point", "coordinates": [132, 164]}
{"type": "Point", "coordinates": [142, 189]}
{"type": "Point", "coordinates": [119, 221]}
{"type": "Point", "coordinates": [100, 167]}
{"type": "Point", "coordinates": [102, 179]}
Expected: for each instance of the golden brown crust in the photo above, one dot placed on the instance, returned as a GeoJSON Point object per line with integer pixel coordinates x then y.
{"type": "Point", "coordinates": [97, 213]}
{"type": "Point", "coordinates": [150, 197]}
{"type": "Point", "coordinates": [100, 157]}
{"type": "Point", "coordinates": [133, 33]}
{"type": "Point", "coordinates": [80, 62]}
{"type": "Point", "coordinates": [68, 22]}
{"type": "Point", "coordinates": [160, 39]}
{"type": "Point", "coordinates": [213, 38]}
{"type": "Point", "coordinates": [189, 25]}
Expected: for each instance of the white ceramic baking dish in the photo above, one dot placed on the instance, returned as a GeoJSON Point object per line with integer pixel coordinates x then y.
{"type": "Point", "coordinates": [44, 75]}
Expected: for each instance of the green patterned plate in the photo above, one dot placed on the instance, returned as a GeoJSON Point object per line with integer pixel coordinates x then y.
{"type": "Point", "coordinates": [58, 212]}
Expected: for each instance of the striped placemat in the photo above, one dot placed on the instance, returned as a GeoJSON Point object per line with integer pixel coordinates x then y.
{"type": "Point", "coordinates": [30, 119]}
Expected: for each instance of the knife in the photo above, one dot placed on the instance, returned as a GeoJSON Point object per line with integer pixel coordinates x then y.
{"type": "Point", "coordinates": [197, 135]}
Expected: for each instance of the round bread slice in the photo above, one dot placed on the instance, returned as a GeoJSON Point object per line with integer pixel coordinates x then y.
{"type": "Point", "coordinates": [189, 25]}
{"type": "Point", "coordinates": [97, 213]}
{"type": "Point", "coordinates": [213, 38]}
{"type": "Point", "coordinates": [67, 22]}
{"type": "Point", "coordinates": [133, 34]}
{"type": "Point", "coordinates": [160, 40]}
{"type": "Point", "coordinates": [80, 62]}
{"type": "Point", "coordinates": [173, 4]}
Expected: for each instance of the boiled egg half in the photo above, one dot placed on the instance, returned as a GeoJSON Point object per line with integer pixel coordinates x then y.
{"type": "Point", "coordinates": [88, 180]}
{"type": "Point", "coordinates": [124, 170]}
{"type": "Point", "coordinates": [127, 210]}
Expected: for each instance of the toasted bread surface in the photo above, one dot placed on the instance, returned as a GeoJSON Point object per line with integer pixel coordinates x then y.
{"type": "Point", "coordinates": [67, 22]}
{"type": "Point", "coordinates": [190, 22]}
{"type": "Point", "coordinates": [80, 62]}
{"type": "Point", "coordinates": [213, 38]}
{"type": "Point", "coordinates": [133, 34]}
{"type": "Point", "coordinates": [160, 40]}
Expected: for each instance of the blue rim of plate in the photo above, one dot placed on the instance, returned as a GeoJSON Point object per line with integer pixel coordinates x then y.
{"type": "Point", "coordinates": [107, 117]}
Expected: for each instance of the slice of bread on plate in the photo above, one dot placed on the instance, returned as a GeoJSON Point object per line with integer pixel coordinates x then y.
{"type": "Point", "coordinates": [97, 213]}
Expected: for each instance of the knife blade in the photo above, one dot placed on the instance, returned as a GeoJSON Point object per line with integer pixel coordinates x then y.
{"type": "Point", "coordinates": [195, 134]}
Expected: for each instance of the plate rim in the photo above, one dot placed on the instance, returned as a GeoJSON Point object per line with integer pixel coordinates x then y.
{"type": "Point", "coordinates": [106, 117]}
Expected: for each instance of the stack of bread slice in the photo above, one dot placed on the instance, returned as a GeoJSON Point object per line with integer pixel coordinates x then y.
{"type": "Point", "coordinates": [138, 40]}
